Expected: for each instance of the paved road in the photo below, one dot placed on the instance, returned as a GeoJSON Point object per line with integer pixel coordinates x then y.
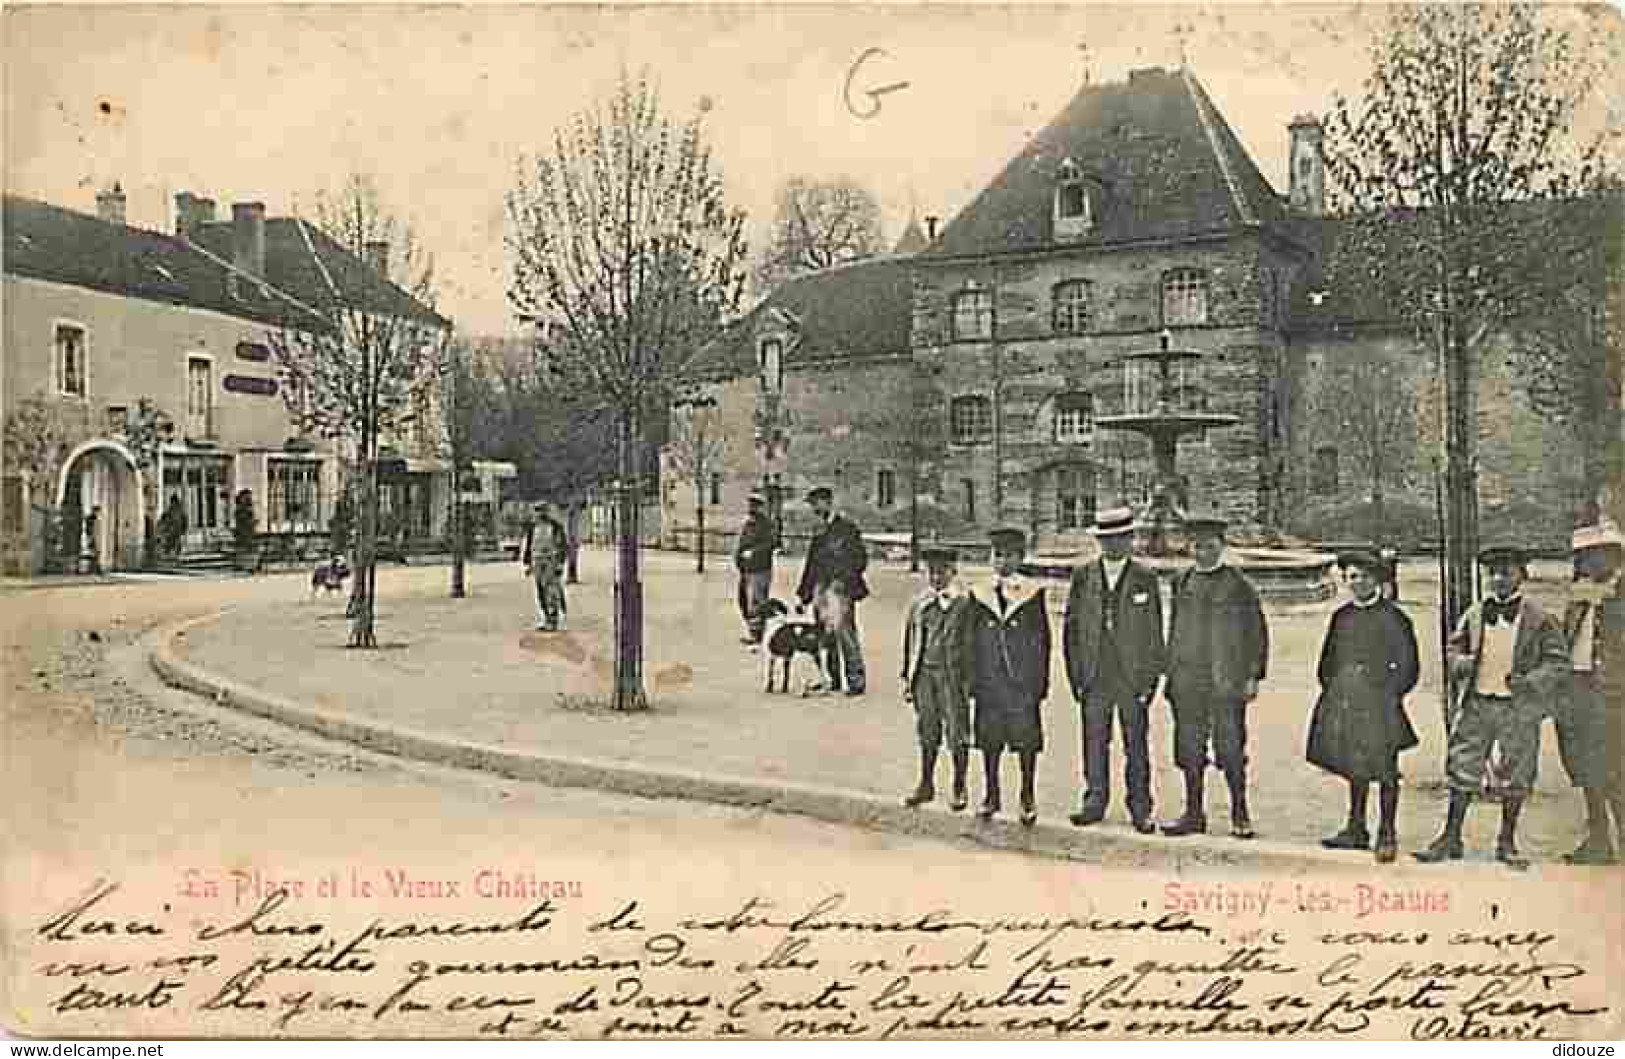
{"type": "Point", "coordinates": [473, 670]}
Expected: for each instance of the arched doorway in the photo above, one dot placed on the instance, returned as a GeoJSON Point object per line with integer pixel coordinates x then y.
{"type": "Point", "coordinates": [101, 476]}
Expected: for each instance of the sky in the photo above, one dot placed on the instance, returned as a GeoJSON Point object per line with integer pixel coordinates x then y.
{"type": "Point", "coordinates": [275, 103]}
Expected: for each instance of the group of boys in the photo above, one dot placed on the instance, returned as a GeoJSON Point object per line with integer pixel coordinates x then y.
{"type": "Point", "coordinates": [976, 666]}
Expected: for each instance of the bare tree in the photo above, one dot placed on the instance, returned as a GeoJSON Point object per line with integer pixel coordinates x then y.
{"type": "Point", "coordinates": [1464, 120]}
{"type": "Point", "coordinates": [816, 224]}
{"type": "Point", "coordinates": [623, 243]}
{"type": "Point", "coordinates": [697, 449]}
{"type": "Point", "coordinates": [352, 376]}
{"type": "Point", "coordinates": [1366, 405]}
{"type": "Point", "coordinates": [453, 379]}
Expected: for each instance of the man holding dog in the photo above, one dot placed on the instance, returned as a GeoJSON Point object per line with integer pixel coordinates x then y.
{"type": "Point", "coordinates": [832, 582]}
{"type": "Point", "coordinates": [934, 675]}
{"type": "Point", "coordinates": [753, 558]}
{"type": "Point", "coordinates": [546, 548]}
{"type": "Point", "coordinates": [1113, 644]}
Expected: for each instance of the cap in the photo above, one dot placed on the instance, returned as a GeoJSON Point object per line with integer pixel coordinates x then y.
{"type": "Point", "coordinates": [1364, 559]}
{"type": "Point", "coordinates": [1602, 535]}
{"type": "Point", "coordinates": [1503, 555]}
{"type": "Point", "coordinates": [1008, 536]}
{"type": "Point", "coordinates": [1113, 522]}
{"type": "Point", "coordinates": [938, 555]}
{"type": "Point", "coordinates": [822, 492]}
{"type": "Point", "coordinates": [1206, 522]}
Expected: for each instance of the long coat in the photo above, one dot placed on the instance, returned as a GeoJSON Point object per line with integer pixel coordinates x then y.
{"type": "Point", "coordinates": [837, 554]}
{"type": "Point", "coordinates": [1136, 624]}
{"type": "Point", "coordinates": [1238, 639]}
{"type": "Point", "coordinates": [1368, 664]}
{"type": "Point", "coordinates": [1010, 650]}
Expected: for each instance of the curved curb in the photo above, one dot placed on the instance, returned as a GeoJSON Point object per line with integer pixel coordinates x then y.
{"type": "Point", "coordinates": [829, 805]}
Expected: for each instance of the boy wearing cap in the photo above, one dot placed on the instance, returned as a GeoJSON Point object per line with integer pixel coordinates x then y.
{"type": "Point", "coordinates": [1113, 644]}
{"type": "Point", "coordinates": [1218, 651]}
{"type": "Point", "coordinates": [1010, 650]}
{"type": "Point", "coordinates": [1507, 656]}
{"type": "Point", "coordinates": [832, 581]}
{"type": "Point", "coordinates": [1591, 720]}
{"type": "Point", "coordinates": [753, 558]}
{"type": "Point", "coordinates": [1368, 664]}
{"type": "Point", "coordinates": [934, 675]}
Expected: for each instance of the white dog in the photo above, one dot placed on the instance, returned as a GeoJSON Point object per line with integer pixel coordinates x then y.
{"type": "Point", "coordinates": [787, 639]}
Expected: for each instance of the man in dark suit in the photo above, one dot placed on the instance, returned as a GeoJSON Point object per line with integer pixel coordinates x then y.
{"type": "Point", "coordinates": [1218, 651]}
{"type": "Point", "coordinates": [832, 582]}
{"type": "Point", "coordinates": [1113, 644]}
{"type": "Point", "coordinates": [753, 557]}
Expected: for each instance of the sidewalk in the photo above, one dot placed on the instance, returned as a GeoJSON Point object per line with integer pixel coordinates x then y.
{"type": "Point", "coordinates": [473, 671]}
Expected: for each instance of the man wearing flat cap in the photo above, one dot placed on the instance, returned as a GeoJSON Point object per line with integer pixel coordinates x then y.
{"type": "Point", "coordinates": [1113, 644]}
{"type": "Point", "coordinates": [753, 558]}
{"type": "Point", "coordinates": [832, 582]}
{"type": "Point", "coordinates": [1368, 664]}
{"type": "Point", "coordinates": [1218, 651]}
{"type": "Point", "coordinates": [1590, 719]}
{"type": "Point", "coordinates": [1507, 657]}
{"type": "Point", "coordinates": [1010, 647]}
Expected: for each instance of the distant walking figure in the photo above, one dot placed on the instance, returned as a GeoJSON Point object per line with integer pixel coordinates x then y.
{"type": "Point", "coordinates": [546, 548]}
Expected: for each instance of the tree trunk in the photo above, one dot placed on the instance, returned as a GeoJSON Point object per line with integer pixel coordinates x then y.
{"type": "Point", "coordinates": [459, 574]}
{"type": "Point", "coordinates": [914, 518]}
{"type": "Point", "coordinates": [362, 633]}
{"type": "Point", "coordinates": [1461, 485]}
{"type": "Point", "coordinates": [572, 543]}
{"type": "Point", "coordinates": [699, 525]}
{"type": "Point", "coordinates": [629, 693]}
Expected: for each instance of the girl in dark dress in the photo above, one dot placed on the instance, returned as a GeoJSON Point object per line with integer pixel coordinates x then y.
{"type": "Point", "coordinates": [1368, 664]}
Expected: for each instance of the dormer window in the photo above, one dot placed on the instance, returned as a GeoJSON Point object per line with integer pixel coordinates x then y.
{"type": "Point", "coordinates": [770, 362]}
{"type": "Point", "coordinates": [1074, 206]}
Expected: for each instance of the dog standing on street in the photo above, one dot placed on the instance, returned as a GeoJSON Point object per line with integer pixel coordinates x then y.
{"type": "Point", "coordinates": [329, 576]}
{"type": "Point", "coordinates": [787, 639]}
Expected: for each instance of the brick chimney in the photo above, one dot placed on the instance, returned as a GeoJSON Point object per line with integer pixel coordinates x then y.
{"type": "Point", "coordinates": [191, 212]}
{"type": "Point", "coordinates": [110, 204]}
{"type": "Point", "coordinates": [1306, 166]}
{"type": "Point", "coordinates": [378, 256]}
{"type": "Point", "coordinates": [248, 237]}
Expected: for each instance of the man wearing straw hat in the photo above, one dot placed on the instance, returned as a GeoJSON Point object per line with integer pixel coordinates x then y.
{"type": "Point", "coordinates": [1508, 657]}
{"type": "Point", "coordinates": [1590, 732]}
{"type": "Point", "coordinates": [1112, 641]}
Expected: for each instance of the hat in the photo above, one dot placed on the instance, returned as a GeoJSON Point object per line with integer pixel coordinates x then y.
{"type": "Point", "coordinates": [1113, 522]}
{"type": "Point", "coordinates": [1206, 522]}
{"type": "Point", "coordinates": [1502, 555]}
{"type": "Point", "coordinates": [1364, 559]}
{"type": "Point", "coordinates": [938, 555]}
{"type": "Point", "coordinates": [756, 497]}
{"type": "Point", "coordinates": [822, 492]}
{"type": "Point", "coordinates": [1007, 536]}
{"type": "Point", "coordinates": [1602, 535]}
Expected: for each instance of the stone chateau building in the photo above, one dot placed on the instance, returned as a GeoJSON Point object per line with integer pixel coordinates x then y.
{"type": "Point", "coordinates": [985, 354]}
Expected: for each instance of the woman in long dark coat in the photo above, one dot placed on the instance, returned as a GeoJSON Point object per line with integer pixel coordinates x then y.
{"type": "Point", "coordinates": [1368, 664]}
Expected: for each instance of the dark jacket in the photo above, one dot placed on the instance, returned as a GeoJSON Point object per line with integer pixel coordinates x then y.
{"type": "Point", "coordinates": [757, 543]}
{"type": "Point", "coordinates": [560, 541]}
{"type": "Point", "coordinates": [1136, 628]}
{"type": "Point", "coordinates": [1540, 654]}
{"type": "Point", "coordinates": [1237, 636]}
{"type": "Point", "coordinates": [1010, 652]}
{"type": "Point", "coordinates": [958, 619]}
{"type": "Point", "coordinates": [837, 554]}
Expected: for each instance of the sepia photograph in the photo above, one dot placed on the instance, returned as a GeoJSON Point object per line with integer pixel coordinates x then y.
{"type": "Point", "coordinates": [1092, 521]}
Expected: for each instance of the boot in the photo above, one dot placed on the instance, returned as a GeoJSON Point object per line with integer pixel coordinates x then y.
{"type": "Point", "coordinates": [1194, 821]}
{"type": "Point", "coordinates": [961, 758]}
{"type": "Point", "coordinates": [1354, 834]}
{"type": "Point", "coordinates": [1241, 821]}
{"type": "Point", "coordinates": [927, 789]}
{"type": "Point", "coordinates": [1506, 843]}
{"type": "Point", "coordinates": [1598, 847]}
{"type": "Point", "coordinates": [990, 796]}
{"type": "Point", "coordinates": [1387, 833]}
{"type": "Point", "coordinates": [1448, 845]}
{"type": "Point", "coordinates": [1029, 773]}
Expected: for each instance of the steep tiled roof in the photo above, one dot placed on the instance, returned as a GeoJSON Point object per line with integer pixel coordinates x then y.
{"type": "Point", "coordinates": [51, 243]}
{"type": "Point", "coordinates": [913, 240]}
{"type": "Point", "coordinates": [863, 308]}
{"type": "Point", "coordinates": [303, 260]}
{"type": "Point", "coordinates": [1165, 162]}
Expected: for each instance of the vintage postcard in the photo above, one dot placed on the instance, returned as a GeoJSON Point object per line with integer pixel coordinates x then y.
{"type": "Point", "coordinates": [828, 522]}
